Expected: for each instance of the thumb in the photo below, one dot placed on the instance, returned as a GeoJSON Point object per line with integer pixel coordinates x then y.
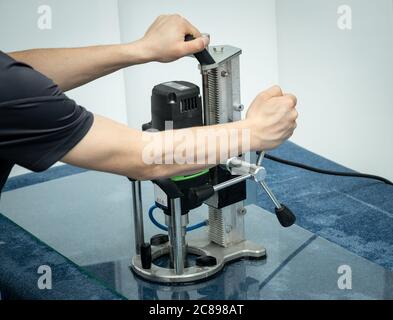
{"type": "Point", "coordinates": [196, 45]}
{"type": "Point", "coordinates": [272, 92]}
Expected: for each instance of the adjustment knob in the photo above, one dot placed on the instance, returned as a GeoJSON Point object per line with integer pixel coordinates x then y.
{"type": "Point", "coordinates": [159, 239]}
{"type": "Point", "coordinates": [206, 261]}
{"type": "Point", "coordinates": [146, 256]}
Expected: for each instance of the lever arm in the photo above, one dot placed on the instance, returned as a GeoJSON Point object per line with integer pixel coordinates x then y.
{"type": "Point", "coordinates": [284, 215]}
{"type": "Point", "coordinates": [203, 57]}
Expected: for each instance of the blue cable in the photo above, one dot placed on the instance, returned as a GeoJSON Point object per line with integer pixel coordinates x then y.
{"type": "Point", "coordinates": [197, 226]}
{"type": "Point", "coordinates": [155, 222]}
{"type": "Point", "coordinates": [165, 228]}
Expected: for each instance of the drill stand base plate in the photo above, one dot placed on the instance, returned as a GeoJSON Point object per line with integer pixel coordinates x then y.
{"type": "Point", "coordinates": [244, 249]}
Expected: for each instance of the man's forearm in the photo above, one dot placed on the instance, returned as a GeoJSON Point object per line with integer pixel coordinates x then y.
{"type": "Point", "coordinates": [113, 147]}
{"type": "Point", "coordinates": [187, 151]}
{"type": "Point", "coordinates": [72, 67]}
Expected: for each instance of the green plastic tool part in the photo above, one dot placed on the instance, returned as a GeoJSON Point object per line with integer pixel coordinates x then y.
{"type": "Point", "coordinates": [183, 178]}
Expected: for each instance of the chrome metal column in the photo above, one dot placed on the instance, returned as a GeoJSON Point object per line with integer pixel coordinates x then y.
{"type": "Point", "coordinates": [138, 215]}
{"type": "Point", "coordinates": [177, 236]}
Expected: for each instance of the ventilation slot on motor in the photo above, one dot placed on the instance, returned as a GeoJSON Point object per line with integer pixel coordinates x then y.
{"type": "Point", "coordinates": [188, 104]}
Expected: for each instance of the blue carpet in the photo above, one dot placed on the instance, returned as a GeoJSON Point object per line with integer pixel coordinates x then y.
{"type": "Point", "coordinates": [29, 179]}
{"type": "Point", "coordinates": [355, 213]}
{"type": "Point", "coordinates": [21, 254]}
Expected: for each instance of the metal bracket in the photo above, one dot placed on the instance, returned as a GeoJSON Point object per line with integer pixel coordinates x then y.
{"type": "Point", "coordinates": [244, 249]}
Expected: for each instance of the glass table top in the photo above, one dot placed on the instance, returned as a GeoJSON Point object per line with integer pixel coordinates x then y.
{"type": "Point", "coordinates": [88, 218]}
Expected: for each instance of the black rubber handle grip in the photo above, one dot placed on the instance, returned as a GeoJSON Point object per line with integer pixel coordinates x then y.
{"type": "Point", "coordinates": [203, 57]}
{"type": "Point", "coordinates": [146, 258]}
{"type": "Point", "coordinates": [285, 216]}
{"type": "Point", "coordinates": [198, 195]}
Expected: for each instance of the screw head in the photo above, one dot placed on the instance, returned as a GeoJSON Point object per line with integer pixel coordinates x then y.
{"type": "Point", "coordinates": [242, 211]}
{"type": "Point", "coordinates": [239, 107]}
{"type": "Point", "coordinates": [224, 74]}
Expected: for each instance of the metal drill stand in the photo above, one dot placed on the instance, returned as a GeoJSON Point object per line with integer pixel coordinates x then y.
{"type": "Point", "coordinates": [224, 194]}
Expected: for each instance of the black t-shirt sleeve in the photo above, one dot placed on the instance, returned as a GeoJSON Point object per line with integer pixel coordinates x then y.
{"type": "Point", "coordinates": [39, 124]}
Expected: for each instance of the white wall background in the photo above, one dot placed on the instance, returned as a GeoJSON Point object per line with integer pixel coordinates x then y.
{"type": "Point", "coordinates": [250, 26]}
{"type": "Point", "coordinates": [344, 79]}
{"type": "Point", "coordinates": [74, 23]}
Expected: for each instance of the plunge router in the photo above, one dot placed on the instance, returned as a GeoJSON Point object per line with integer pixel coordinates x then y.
{"type": "Point", "coordinates": [222, 188]}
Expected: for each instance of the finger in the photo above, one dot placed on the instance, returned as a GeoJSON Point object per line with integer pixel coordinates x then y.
{"type": "Point", "coordinates": [190, 29]}
{"type": "Point", "coordinates": [195, 46]}
{"type": "Point", "coordinates": [292, 129]}
{"type": "Point", "coordinates": [162, 17]}
{"type": "Point", "coordinates": [295, 114]}
{"type": "Point", "coordinates": [291, 99]}
{"type": "Point", "coordinates": [272, 92]}
{"type": "Point", "coordinates": [289, 134]}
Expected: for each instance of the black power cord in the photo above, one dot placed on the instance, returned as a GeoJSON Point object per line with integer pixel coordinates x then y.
{"type": "Point", "coordinates": [328, 172]}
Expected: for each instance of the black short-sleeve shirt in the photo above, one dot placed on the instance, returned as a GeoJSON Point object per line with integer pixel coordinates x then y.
{"type": "Point", "coordinates": [39, 124]}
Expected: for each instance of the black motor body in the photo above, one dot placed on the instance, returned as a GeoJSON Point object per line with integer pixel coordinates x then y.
{"type": "Point", "coordinates": [178, 102]}
{"type": "Point", "coordinates": [178, 105]}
